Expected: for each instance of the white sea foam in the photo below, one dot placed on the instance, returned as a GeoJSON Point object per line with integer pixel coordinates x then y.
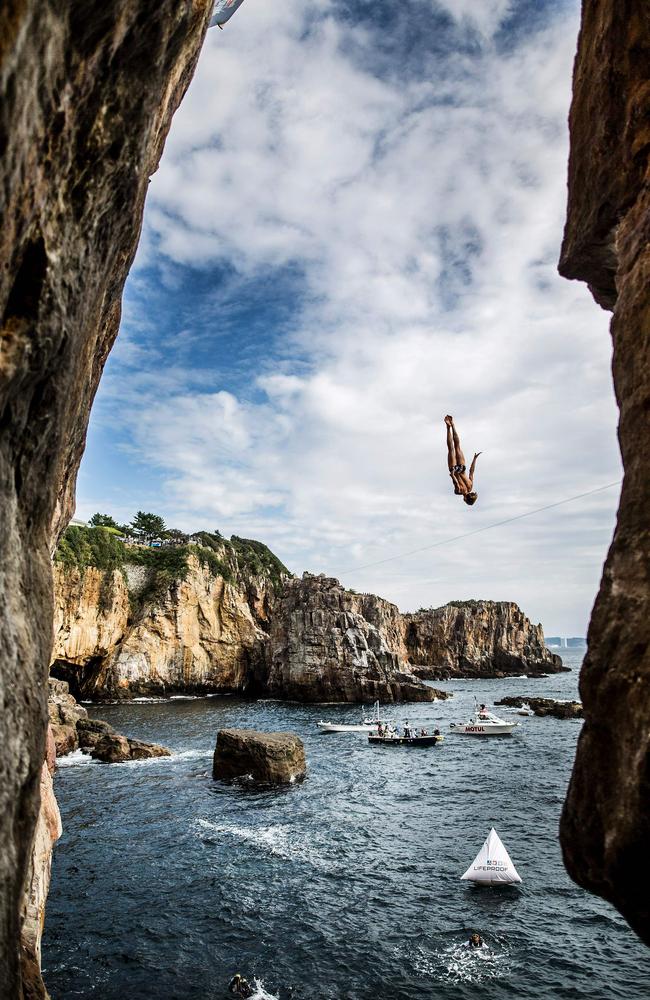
{"type": "Point", "coordinates": [260, 993]}
{"type": "Point", "coordinates": [458, 963]}
{"type": "Point", "coordinates": [278, 841]}
{"type": "Point", "coordinates": [462, 964]}
{"type": "Point", "coordinates": [74, 759]}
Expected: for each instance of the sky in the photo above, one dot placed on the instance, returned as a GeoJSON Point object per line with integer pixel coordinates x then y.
{"type": "Point", "coordinates": [354, 230]}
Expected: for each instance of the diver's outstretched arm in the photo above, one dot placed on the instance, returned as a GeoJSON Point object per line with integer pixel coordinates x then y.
{"type": "Point", "coordinates": [473, 465]}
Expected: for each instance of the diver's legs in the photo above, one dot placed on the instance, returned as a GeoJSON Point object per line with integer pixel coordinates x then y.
{"type": "Point", "coordinates": [451, 454]}
{"type": "Point", "coordinates": [460, 458]}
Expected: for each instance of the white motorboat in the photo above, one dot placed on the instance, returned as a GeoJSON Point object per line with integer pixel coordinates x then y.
{"type": "Point", "coordinates": [492, 865]}
{"type": "Point", "coordinates": [368, 724]}
{"type": "Point", "coordinates": [483, 723]}
{"type": "Point", "coordinates": [525, 709]}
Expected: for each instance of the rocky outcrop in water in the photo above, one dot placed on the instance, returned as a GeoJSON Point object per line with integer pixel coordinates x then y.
{"type": "Point", "coordinates": [87, 93]}
{"type": "Point", "coordinates": [64, 713]}
{"type": "Point", "coordinates": [546, 706]}
{"type": "Point", "coordinates": [605, 827]}
{"type": "Point", "coordinates": [266, 758]}
{"type": "Point", "coordinates": [323, 646]}
{"type": "Point", "coordinates": [71, 729]}
{"type": "Point", "coordinates": [476, 639]}
{"type": "Point", "coordinates": [112, 748]}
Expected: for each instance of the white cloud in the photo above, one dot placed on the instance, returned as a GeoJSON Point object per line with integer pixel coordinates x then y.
{"type": "Point", "coordinates": [426, 210]}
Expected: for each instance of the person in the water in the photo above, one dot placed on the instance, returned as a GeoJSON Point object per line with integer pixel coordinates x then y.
{"type": "Point", "coordinates": [475, 941]}
{"type": "Point", "coordinates": [463, 482]}
{"type": "Point", "coordinates": [240, 986]}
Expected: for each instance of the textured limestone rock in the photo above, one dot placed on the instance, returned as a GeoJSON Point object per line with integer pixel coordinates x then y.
{"type": "Point", "coordinates": [546, 706]}
{"type": "Point", "coordinates": [476, 639]}
{"type": "Point", "coordinates": [91, 731]}
{"type": "Point", "coordinates": [91, 614]}
{"type": "Point", "coordinates": [323, 647]}
{"type": "Point", "coordinates": [112, 748]}
{"type": "Point", "coordinates": [201, 635]}
{"type": "Point", "coordinates": [64, 713]}
{"type": "Point", "coordinates": [267, 758]}
{"type": "Point", "coordinates": [605, 826]}
{"type": "Point", "coordinates": [87, 91]}
{"type": "Point", "coordinates": [48, 831]}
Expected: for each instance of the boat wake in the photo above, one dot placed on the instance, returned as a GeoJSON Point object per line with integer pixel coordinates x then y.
{"type": "Point", "coordinates": [278, 841]}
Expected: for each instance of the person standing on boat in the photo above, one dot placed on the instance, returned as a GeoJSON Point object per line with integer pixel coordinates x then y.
{"type": "Point", "coordinates": [463, 482]}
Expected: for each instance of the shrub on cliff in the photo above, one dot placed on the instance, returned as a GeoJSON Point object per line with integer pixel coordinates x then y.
{"type": "Point", "coordinates": [83, 547]}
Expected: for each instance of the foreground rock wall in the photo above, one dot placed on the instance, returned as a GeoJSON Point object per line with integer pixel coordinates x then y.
{"type": "Point", "coordinates": [48, 830]}
{"type": "Point", "coordinates": [476, 639]}
{"type": "Point", "coordinates": [87, 91]}
{"type": "Point", "coordinates": [605, 828]}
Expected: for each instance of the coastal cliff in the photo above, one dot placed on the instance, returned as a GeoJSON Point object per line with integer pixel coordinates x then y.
{"type": "Point", "coordinates": [193, 619]}
{"type": "Point", "coordinates": [222, 625]}
{"type": "Point", "coordinates": [476, 639]}
{"type": "Point", "coordinates": [330, 644]}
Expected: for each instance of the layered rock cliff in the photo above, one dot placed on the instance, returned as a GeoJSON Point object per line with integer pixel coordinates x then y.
{"type": "Point", "coordinates": [329, 644]}
{"type": "Point", "coordinates": [308, 640]}
{"type": "Point", "coordinates": [476, 639]}
{"type": "Point", "coordinates": [87, 93]}
{"type": "Point", "coordinates": [200, 633]}
{"type": "Point", "coordinates": [605, 826]}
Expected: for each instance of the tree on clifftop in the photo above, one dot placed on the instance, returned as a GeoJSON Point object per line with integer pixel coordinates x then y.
{"type": "Point", "coordinates": [148, 526]}
{"type": "Point", "coordinates": [102, 521]}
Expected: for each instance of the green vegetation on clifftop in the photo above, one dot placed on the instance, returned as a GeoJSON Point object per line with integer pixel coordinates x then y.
{"type": "Point", "coordinates": [231, 559]}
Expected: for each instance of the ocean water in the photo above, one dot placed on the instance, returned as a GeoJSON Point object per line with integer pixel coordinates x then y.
{"type": "Point", "coordinates": [346, 885]}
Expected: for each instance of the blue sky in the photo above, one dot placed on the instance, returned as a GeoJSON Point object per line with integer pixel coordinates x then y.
{"type": "Point", "coordinates": [353, 231]}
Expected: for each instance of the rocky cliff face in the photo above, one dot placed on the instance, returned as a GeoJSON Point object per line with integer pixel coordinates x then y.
{"type": "Point", "coordinates": [605, 826]}
{"type": "Point", "coordinates": [87, 92]}
{"type": "Point", "coordinates": [199, 634]}
{"type": "Point", "coordinates": [328, 644]}
{"type": "Point", "coordinates": [476, 639]}
{"type": "Point", "coordinates": [314, 642]}
{"type": "Point", "coordinates": [92, 610]}
{"type": "Point", "coordinates": [48, 830]}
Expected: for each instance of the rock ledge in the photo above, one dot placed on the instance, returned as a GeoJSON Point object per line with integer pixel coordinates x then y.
{"type": "Point", "coordinates": [547, 706]}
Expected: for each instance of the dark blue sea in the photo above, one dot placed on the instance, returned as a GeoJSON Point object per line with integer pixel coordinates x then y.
{"type": "Point", "coordinates": [165, 882]}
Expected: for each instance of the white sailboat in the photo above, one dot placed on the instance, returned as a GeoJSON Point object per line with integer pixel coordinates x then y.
{"type": "Point", "coordinates": [368, 724]}
{"type": "Point", "coordinates": [492, 865]}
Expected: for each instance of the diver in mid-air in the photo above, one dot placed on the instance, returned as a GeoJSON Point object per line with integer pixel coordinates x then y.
{"type": "Point", "coordinates": [463, 482]}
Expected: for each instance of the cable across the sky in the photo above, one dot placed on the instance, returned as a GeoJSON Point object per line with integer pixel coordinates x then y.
{"type": "Point", "coordinates": [486, 527]}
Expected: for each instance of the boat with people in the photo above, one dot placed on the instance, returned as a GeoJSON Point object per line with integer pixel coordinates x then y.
{"type": "Point", "coordinates": [368, 724]}
{"type": "Point", "coordinates": [409, 737]}
{"type": "Point", "coordinates": [483, 723]}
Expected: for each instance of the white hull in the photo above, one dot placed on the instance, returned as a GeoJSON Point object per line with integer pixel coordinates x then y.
{"type": "Point", "coordinates": [483, 728]}
{"type": "Point", "coordinates": [331, 727]}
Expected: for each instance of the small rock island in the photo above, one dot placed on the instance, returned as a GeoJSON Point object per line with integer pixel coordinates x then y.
{"type": "Point", "coordinates": [265, 758]}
